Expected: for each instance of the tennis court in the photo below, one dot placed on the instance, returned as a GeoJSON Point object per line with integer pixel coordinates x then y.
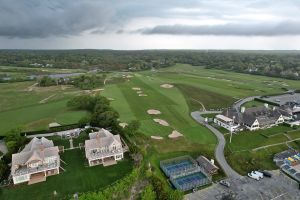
{"type": "Point", "coordinates": [184, 173]}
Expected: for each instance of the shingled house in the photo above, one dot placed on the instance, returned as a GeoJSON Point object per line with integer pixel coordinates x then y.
{"type": "Point", "coordinates": [35, 162]}
{"type": "Point", "coordinates": [103, 148]}
{"type": "Point", "coordinates": [251, 118]}
{"type": "Point", "coordinates": [207, 165]}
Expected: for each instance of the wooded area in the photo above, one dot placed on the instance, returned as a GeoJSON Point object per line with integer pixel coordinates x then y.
{"type": "Point", "coordinates": [284, 64]}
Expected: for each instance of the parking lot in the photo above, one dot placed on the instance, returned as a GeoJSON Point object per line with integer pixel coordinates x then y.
{"type": "Point", "coordinates": [278, 187]}
{"type": "Point", "coordinates": [284, 98]}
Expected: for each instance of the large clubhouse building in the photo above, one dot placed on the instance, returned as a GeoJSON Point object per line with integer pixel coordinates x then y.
{"type": "Point", "coordinates": [251, 118]}
{"type": "Point", "coordinates": [103, 148]}
{"type": "Point", "coordinates": [39, 159]}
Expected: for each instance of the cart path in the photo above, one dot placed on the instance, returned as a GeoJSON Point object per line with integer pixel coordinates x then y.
{"type": "Point", "coordinates": [219, 151]}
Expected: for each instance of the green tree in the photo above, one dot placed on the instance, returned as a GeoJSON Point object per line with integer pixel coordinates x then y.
{"type": "Point", "coordinates": [148, 193]}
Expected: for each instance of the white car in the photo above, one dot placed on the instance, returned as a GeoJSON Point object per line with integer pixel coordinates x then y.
{"type": "Point", "coordinates": [260, 175]}
{"type": "Point", "coordinates": [254, 176]}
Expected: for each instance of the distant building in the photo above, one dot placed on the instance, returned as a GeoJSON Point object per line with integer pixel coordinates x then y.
{"type": "Point", "coordinates": [207, 165]}
{"type": "Point", "coordinates": [103, 148]}
{"type": "Point", "coordinates": [35, 162]}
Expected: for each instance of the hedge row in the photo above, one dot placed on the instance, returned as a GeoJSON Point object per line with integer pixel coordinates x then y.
{"type": "Point", "coordinates": [51, 130]}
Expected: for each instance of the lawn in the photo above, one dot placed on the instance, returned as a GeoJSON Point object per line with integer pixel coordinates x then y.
{"type": "Point", "coordinates": [246, 161]}
{"type": "Point", "coordinates": [77, 178]}
{"type": "Point", "coordinates": [251, 104]}
{"type": "Point", "coordinates": [38, 116]}
{"type": "Point", "coordinates": [21, 106]}
{"type": "Point", "coordinates": [248, 140]}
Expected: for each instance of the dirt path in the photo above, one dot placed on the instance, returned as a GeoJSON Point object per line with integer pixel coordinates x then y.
{"type": "Point", "coordinates": [30, 88]}
{"type": "Point", "coordinates": [203, 107]}
{"type": "Point", "coordinates": [46, 99]}
{"type": "Point", "coordinates": [271, 145]}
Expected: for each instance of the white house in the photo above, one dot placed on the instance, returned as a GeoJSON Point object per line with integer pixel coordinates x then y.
{"type": "Point", "coordinates": [35, 162]}
{"type": "Point", "coordinates": [226, 122]}
{"type": "Point", "coordinates": [103, 148]}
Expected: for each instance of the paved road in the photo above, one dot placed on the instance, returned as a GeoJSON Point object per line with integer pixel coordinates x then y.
{"type": "Point", "coordinates": [239, 103]}
{"type": "Point", "coordinates": [219, 151]}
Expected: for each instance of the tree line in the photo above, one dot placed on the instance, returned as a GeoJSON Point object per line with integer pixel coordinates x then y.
{"type": "Point", "coordinates": [284, 64]}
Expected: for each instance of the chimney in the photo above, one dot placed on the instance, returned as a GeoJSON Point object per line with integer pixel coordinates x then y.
{"type": "Point", "coordinates": [42, 151]}
{"type": "Point", "coordinates": [266, 105]}
{"type": "Point", "coordinates": [212, 161]}
{"type": "Point", "coordinates": [98, 137]}
{"type": "Point", "coordinates": [243, 109]}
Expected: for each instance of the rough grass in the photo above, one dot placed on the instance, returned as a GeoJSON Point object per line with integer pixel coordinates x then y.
{"type": "Point", "coordinates": [77, 178]}
{"type": "Point", "coordinates": [210, 100]}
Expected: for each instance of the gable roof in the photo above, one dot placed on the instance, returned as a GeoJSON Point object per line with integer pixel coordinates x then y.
{"type": "Point", "coordinates": [102, 138]}
{"type": "Point", "coordinates": [37, 143]}
{"type": "Point", "coordinates": [24, 158]}
{"type": "Point", "coordinates": [206, 164]}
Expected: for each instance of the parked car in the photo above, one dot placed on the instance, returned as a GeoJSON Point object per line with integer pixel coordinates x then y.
{"type": "Point", "coordinates": [225, 183]}
{"type": "Point", "coordinates": [260, 175]}
{"type": "Point", "coordinates": [266, 173]}
{"type": "Point", "coordinates": [254, 176]}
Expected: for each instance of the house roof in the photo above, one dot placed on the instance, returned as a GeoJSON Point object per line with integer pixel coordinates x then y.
{"type": "Point", "coordinates": [264, 116]}
{"type": "Point", "coordinates": [25, 157]}
{"type": "Point", "coordinates": [224, 118]}
{"type": "Point", "coordinates": [102, 138]}
{"type": "Point", "coordinates": [206, 164]}
{"type": "Point", "coordinates": [37, 143]}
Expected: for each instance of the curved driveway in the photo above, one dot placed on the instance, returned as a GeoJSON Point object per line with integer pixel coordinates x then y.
{"type": "Point", "coordinates": [219, 151]}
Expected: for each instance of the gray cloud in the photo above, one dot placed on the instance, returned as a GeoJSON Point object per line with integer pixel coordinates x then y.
{"type": "Point", "coordinates": [39, 19]}
{"type": "Point", "coordinates": [63, 18]}
{"type": "Point", "coordinates": [262, 29]}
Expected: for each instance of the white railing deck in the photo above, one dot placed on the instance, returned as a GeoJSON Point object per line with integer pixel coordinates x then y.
{"type": "Point", "coordinates": [25, 170]}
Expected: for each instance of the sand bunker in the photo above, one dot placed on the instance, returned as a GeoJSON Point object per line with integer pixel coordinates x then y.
{"type": "Point", "coordinates": [139, 92]}
{"type": "Point", "coordinates": [153, 112]}
{"type": "Point", "coordinates": [175, 134]}
{"type": "Point", "coordinates": [156, 137]}
{"type": "Point", "coordinates": [143, 95]}
{"type": "Point", "coordinates": [123, 124]}
{"type": "Point", "coordinates": [161, 122]}
{"type": "Point", "coordinates": [136, 88]}
{"type": "Point", "coordinates": [166, 86]}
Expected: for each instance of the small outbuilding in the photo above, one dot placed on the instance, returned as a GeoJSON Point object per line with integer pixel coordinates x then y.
{"type": "Point", "coordinates": [207, 165]}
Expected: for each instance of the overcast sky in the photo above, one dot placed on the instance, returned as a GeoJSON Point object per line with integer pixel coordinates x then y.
{"type": "Point", "coordinates": [150, 24]}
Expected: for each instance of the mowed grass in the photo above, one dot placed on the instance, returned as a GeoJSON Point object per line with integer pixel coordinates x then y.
{"type": "Point", "coordinates": [38, 117]}
{"type": "Point", "coordinates": [248, 140]}
{"type": "Point", "coordinates": [29, 107]}
{"type": "Point", "coordinates": [170, 102]}
{"type": "Point", "coordinates": [232, 84]}
{"type": "Point", "coordinates": [78, 177]}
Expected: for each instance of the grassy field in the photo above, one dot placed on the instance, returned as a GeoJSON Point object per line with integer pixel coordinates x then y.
{"type": "Point", "coordinates": [33, 108]}
{"type": "Point", "coordinates": [248, 140]}
{"type": "Point", "coordinates": [193, 86]}
{"type": "Point", "coordinates": [78, 177]}
{"type": "Point", "coordinates": [251, 104]}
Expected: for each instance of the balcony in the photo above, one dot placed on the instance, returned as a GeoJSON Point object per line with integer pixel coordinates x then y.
{"type": "Point", "coordinates": [25, 170]}
{"type": "Point", "coordinates": [104, 154]}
